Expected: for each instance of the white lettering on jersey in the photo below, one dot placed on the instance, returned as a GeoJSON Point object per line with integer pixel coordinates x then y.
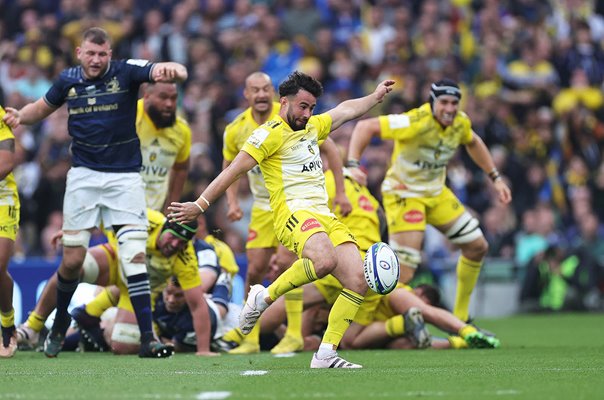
{"type": "Point", "coordinates": [396, 121]}
{"type": "Point", "coordinates": [207, 257]}
{"type": "Point", "coordinates": [137, 62]}
{"type": "Point", "coordinates": [258, 137]}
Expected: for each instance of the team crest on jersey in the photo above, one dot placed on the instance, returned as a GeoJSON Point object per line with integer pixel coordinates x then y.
{"type": "Point", "coordinates": [312, 151]}
{"type": "Point", "coordinates": [92, 101]}
{"type": "Point", "coordinates": [309, 224]}
{"type": "Point", "coordinates": [413, 216]}
{"type": "Point", "coordinates": [152, 156]}
{"type": "Point", "coordinates": [113, 85]}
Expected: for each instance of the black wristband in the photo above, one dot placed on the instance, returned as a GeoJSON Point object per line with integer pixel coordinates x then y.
{"type": "Point", "coordinates": [352, 163]}
{"type": "Point", "coordinates": [494, 174]}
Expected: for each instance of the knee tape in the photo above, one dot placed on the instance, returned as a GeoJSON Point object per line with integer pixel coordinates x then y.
{"type": "Point", "coordinates": [90, 268]}
{"type": "Point", "coordinates": [407, 256]}
{"type": "Point", "coordinates": [126, 333]}
{"type": "Point", "coordinates": [81, 238]}
{"type": "Point", "coordinates": [465, 230]}
{"type": "Point", "coordinates": [132, 240]}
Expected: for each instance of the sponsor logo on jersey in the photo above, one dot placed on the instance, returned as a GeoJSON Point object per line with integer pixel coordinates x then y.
{"type": "Point", "coordinates": [309, 224]}
{"type": "Point", "coordinates": [92, 101]}
{"type": "Point", "coordinates": [251, 235]}
{"type": "Point", "coordinates": [365, 203]}
{"type": "Point", "coordinates": [72, 93]}
{"type": "Point", "coordinates": [413, 216]}
{"type": "Point", "coordinates": [312, 166]}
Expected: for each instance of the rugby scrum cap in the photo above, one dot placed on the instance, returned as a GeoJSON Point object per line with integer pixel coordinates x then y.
{"type": "Point", "coordinates": [444, 87]}
{"type": "Point", "coordinates": [182, 231]}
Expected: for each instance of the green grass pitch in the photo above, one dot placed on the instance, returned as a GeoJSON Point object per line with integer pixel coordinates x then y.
{"type": "Point", "coordinates": [542, 357]}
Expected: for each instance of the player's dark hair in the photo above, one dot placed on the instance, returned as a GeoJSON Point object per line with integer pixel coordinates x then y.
{"type": "Point", "coordinates": [174, 281]}
{"type": "Point", "coordinates": [431, 293]}
{"type": "Point", "coordinates": [298, 80]}
{"type": "Point", "coordinates": [96, 35]}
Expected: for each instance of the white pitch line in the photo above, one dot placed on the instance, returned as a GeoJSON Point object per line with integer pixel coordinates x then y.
{"type": "Point", "coordinates": [252, 373]}
{"type": "Point", "coordinates": [213, 395]}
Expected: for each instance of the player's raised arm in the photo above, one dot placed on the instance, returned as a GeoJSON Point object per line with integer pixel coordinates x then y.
{"type": "Point", "coordinates": [29, 114]}
{"type": "Point", "coordinates": [351, 109]}
{"type": "Point", "coordinates": [480, 154]}
{"type": "Point", "coordinates": [184, 212]}
{"type": "Point", "coordinates": [169, 72]}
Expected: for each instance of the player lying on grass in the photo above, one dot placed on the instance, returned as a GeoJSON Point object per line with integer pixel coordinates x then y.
{"type": "Point", "coordinates": [169, 252]}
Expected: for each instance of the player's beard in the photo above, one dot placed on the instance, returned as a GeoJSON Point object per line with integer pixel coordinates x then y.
{"type": "Point", "coordinates": [159, 119]}
{"type": "Point", "coordinates": [294, 124]}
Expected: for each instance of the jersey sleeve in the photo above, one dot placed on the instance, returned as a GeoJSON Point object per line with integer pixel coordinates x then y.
{"type": "Point", "coordinates": [57, 93]}
{"type": "Point", "coordinates": [467, 134]}
{"type": "Point", "coordinates": [262, 143]}
{"type": "Point", "coordinates": [139, 70]}
{"type": "Point", "coordinates": [323, 124]}
{"type": "Point", "coordinates": [185, 268]}
{"type": "Point", "coordinates": [185, 150]}
{"type": "Point", "coordinates": [396, 126]}
{"type": "Point", "coordinates": [5, 131]}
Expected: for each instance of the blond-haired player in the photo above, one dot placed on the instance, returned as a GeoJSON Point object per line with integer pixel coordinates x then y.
{"type": "Point", "coordinates": [414, 190]}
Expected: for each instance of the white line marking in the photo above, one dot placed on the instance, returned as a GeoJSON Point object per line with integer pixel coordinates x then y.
{"type": "Point", "coordinates": [250, 373]}
{"type": "Point", "coordinates": [213, 395]}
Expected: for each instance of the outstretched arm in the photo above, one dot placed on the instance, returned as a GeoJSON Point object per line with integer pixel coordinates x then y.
{"type": "Point", "coordinates": [184, 212]}
{"type": "Point", "coordinates": [201, 320]}
{"type": "Point", "coordinates": [351, 109]}
{"type": "Point", "coordinates": [480, 154]}
{"type": "Point", "coordinates": [169, 72]}
{"type": "Point", "coordinates": [361, 136]}
{"type": "Point", "coordinates": [29, 114]}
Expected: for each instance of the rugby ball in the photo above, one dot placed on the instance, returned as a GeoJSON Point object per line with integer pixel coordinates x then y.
{"type": "Point", "coordinates": [381, 268]}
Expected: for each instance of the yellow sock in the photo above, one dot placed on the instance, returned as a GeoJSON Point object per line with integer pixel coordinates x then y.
{"type": "Point", "coordinates": [341, 316]}
{"type": "Point", "coordinates": [300, 273]}
{"type": "Point", "coordinates": [467, 275]}
{"type": "Point", "coordinates": [293, 309]}
{"type": "Point", "coordinates": [457, 342]}
{"type": "Point", "coordinates": [254, 335]}
{"type": "Point", "coordinates": [234, 335]}
{"type": "Point", "coordinates": [7, 319]}
{"type": "Point", "coordinates": [466, 330]}
{"type": "Point", "coordinates": [100, 303]}
{"type": "Point", "coordinates": [395, 326]}
{"type": "Point", "coordinates": [35, 321]}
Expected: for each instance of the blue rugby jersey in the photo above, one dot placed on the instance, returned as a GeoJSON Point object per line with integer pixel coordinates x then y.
{"type": "Point", "coordinates": [102, 114]}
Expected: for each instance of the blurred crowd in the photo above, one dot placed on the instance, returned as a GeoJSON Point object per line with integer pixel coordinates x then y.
{"type": "Point", "coordinates": [531, 71]}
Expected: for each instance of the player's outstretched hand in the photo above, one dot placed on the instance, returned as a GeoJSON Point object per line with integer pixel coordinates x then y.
{"type": "Point", "coordinates": [383, 89]}
{"type": "Point", "coordinates": [169, 72]}
{"type": "Point", "coordinates": [12, 117]}
{"type": "Point", "coordinates": [504, 192]}
{"type": "Point", "coordinates": [183, 212]}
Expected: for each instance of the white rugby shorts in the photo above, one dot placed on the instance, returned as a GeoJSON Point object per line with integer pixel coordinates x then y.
{"type": "Point", "coordinates": [113, 198]}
